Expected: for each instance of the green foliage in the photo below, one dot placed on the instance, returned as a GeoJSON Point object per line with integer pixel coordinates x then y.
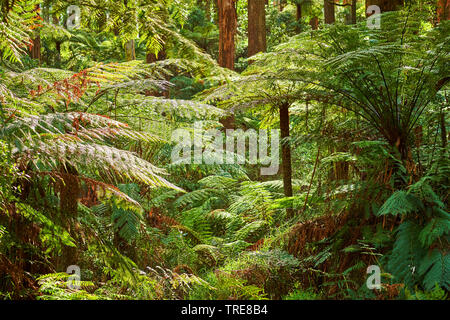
{"type": "Point", "coordinates": [86, 175]}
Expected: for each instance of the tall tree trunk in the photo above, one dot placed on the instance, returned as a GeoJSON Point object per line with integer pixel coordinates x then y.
{"type": "Point", "coordinates": [299, 16]}
{"type": "Point", "coordinates": [299, 11]}
{"type": "Point", "coordinates": [256, 26]}
{"type": "Point", "coordinates": [130, 51]}
{"type": "Point", "coordinates": [443, 10]}
{"type": "Point", "coordinates": [354, 3]}
{"type": "Point", "coordinates": [328, 11]}
{"type": "Point", "coordinates": [227, 30]}
{"type": "Point", "coordinates": [57, 46]}
{"type": "Point", "coordinates": [286, 154]}
{"type": "Point", "coordinates": [35, 52]}
{"type": "Point", "coordinates": [385, 5]}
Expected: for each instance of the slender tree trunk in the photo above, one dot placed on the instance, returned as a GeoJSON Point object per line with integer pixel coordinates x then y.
{"type": "Point", "coordinates": [57, 46]}
{"type": "Point", "coordinates": [348, 15]}
{"type": "Point", "coordinates": [328, 11]}
{"type": "Point", "coordinates": [299, 16]}
{"type": "Point", "coordinates": [354, 4]}
{"type": "Point", "coordinates": [443, 10]}
{"type": "Point", "coordinates": [227, 31]}
{"type": "Point", "coordinates": [299, 11]}
{"type": "Point", "coordinates": [256, 26]}
{"type": "Point", "coordinates": [286, 154]}
{"type": "Point", "coordinates": [35, 52]}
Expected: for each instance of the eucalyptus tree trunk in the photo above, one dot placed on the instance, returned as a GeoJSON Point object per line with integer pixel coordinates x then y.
{"type": "Point", "coordinates": [256, 26]}
{"type": "Point", "coordinates": [286, 164]}
{"type": "Point", "coordinates": [227, 31]}
{"type": "Point", "coordinates": [328, 11]}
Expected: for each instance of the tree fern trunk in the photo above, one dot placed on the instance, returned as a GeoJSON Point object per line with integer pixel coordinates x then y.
{"type": "Point", "coordinates": [69, 192]}
{"type": "Point", "coordinates": [354, 4]}
{"type": "Point", "coordinates": [286, 154]}
{"type": "Point", "coordinates": [299, 16]}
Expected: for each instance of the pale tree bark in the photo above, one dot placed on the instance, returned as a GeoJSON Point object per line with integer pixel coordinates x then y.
{"type": "Point", "coordinates": [130, 52]}
{"type": "Point", "coordinates": [227, 31]}
{"type": "Point", "coordinates": [256, 26]}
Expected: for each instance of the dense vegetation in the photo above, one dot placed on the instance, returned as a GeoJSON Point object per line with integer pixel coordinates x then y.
{"type": "Point", "coordinates": [86, 173]}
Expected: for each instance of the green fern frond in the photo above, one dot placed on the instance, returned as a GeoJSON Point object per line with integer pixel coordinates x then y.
{"type": "Point", "coordinates": [400, 202]}
{"type": "Point", "coordinates": [435, 267]}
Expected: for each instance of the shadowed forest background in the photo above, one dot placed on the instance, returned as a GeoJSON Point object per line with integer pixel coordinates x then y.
{"type": "Point", "coordinates": [91, 91]}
